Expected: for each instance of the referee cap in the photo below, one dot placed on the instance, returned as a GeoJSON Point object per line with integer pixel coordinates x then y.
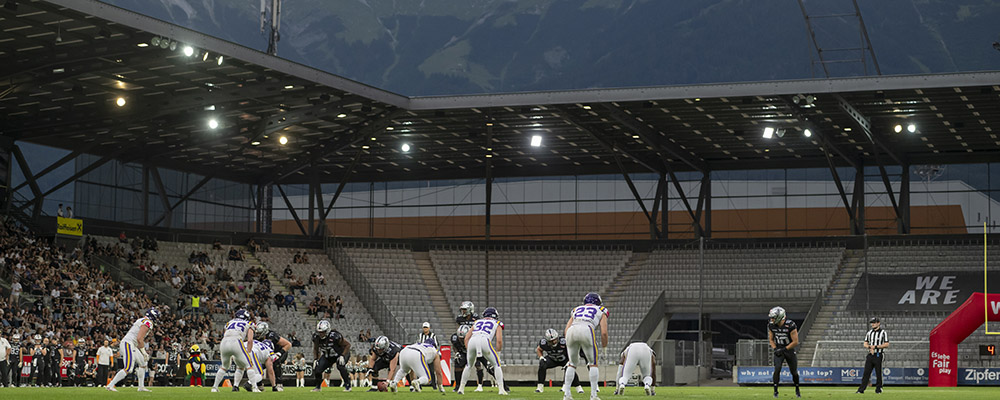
{"type": "Point", "coordinates": [873, 320]}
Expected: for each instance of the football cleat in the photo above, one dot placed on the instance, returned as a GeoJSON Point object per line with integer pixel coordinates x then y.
{"type": "Point", "coordinates": [650, 391]}
{"type": "Point", "coordinates": [142, 389]}
{"type": "Point", "coordinates": [579, 389]}
{"type": "Point", "coordinates": [111, 388]}
{"type": "Point", "coordinates": [215, 390]}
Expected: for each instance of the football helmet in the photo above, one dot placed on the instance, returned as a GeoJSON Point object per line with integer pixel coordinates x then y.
{"type": "Point", "coordinates": [381, 344]}
{"type": "Point", "coordinates": [776, 314]}
{"type": "Point", "coordinates": [592, 298]}
{"type": "Point", "coordinates": [491, 312]}
{"type": "Point", "coordinates": [551, 335]}
{"type": "Point", "coordinates": [17, 337]}
{"type": "Point", "coordinates": [242, 314]}
{"type": "Point", "coordinates": [323, 326]}
{"type": "Point", "coordinates": [467, 308]}
{"type": "Point", "coordinates": [152, 314]}
{"type": "Point", "coordinates": [463, 330]}
{"type": "Point", "coordinates": [261, 330]}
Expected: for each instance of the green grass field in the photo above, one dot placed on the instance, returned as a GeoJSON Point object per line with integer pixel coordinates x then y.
{"type": "Point", "coordinates": [908, 393]}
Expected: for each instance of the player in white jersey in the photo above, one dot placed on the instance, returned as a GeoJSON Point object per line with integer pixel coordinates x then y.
{"type": "Point", "coordinates": [264, 351]}
{"type": "Point", "coordinates": [580, 335]}
{"type": "Point", "coordinates": [636, 354]}
{"type": "Point", "coordinates": [418, 358]}
{"type": "Point", "coordinates": [133, 351]}
{"type": "Point", "coordinates": [237, 344]}
{"type": "Point", "coordinates": [479, 343]}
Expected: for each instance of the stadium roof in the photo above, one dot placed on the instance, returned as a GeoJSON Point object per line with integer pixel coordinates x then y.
{"type": "Point", "coordinates": [67, 62]}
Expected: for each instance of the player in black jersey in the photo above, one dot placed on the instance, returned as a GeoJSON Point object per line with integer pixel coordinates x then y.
{"type": "Point", "coordinates": [14, 361]}
{"type": "Point", "coordinates": [330, 348]}
{"type": "Point", "coordinates": [467, 316]}
{"type": "Point", "coordinates": [53, 361]}
{"type": "Point", "coordinates": [552, 353]}
{"type": "Point", "coordinates": [381, 356]}
{"type": "Point", "coordinates": [459, 359]}
{"type": "Point", "coordinates": [80, 363]}
{"type": "Point", "coordinates": [172, 363]}
{"type": "Point", "coordinates": [281, 348]}
{"type": "Point", "coordinates": [783, 335]}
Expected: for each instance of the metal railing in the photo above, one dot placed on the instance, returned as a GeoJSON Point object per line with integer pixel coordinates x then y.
{"type": "Point", "coordinates": [849, 353]}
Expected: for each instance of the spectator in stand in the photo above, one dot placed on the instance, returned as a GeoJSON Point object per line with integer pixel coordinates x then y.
{"type": "Point", "coordinates": [234, 255]}
{"type": "Point", "coordinates": [304, 259]}
{"type": "Point", "coordinates": [15, 292]}
{"type": "Point", "coordinates": [295, 340]}
{"type": "Point", "coordinates": [338, 305]}
{"type": "Point", "coordinates": [60, 212]}
{"type": "Point", "coordinates": [313, 306]}
{"type": "Point", "coordinates": [69, 212]}
{"type": "Point", "coordinates": [288, 271]}
{"type": "Point", "coordinates": [297, 258]}
{"type": "Point", "coordinates": [122, 238]}
{"type": "Point", "coordinates": [320, 279]}
{"type": "Point", "coordinates": [253, 246]}
{"type": "Point", "coordinates": [279, 300]}
{"type": "Point", "coordinates": [312, 278]}
{"type": "Point", "coordinates": [290, 302]}
{"type": "Point", "coordinates": [217, 245]}
{"type": "Point", "coordinates": [265, 246]}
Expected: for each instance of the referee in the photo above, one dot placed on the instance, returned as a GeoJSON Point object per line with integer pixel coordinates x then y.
{"type": "Point", "coordinates": [875, 342]}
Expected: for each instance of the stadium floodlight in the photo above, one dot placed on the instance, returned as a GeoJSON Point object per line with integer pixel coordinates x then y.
{"type": "Point", "coordinates": [143, 45]}
{"type": "Point", "coordinates": [283, 140]}
{"type": "Point", "coordinates": [405, 147]}
{"type": "Point", "coordinates": [188, 51]}
{"type": "Point", "coordinates": [173, 45]}
{"type": "Point", "coordinates": [120, 102]}
{"type": "Point", "coordinates": [536, 141]}
{"type": "Point", "coordinates": [164, 43]}
{"type": "Point", "coordinates": [213, 123]}
{"type": "Point", "coordinates": [218, 60]}
{"type": "Point", "coordinates": [768, 132]}
{"type": "Point", "coordinates": [898, 128]}
{"type": "Point", "coordinates": [911, 128]}
{"type": "Point", "coordinates": [204, 56]}
{"type": "Point", "coordinates": [807, 133]}
{"type": "Point", "coordinates": [255, 143]}
{"type": "Point", "coordinates": [341, 115]}
{"type": "Point", "coordinates": [289, 86]}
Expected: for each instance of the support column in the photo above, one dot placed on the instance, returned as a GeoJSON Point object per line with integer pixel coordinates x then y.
{"type": "Point", "coordinates": [707, 183]}
{"type": "Point", "coordinates": [145, 195]}
{"type": "Point", "coordinates": [904, 200]}
{"type": "Point", "coordinates": [858, 200]}
{"type": "Point", "coordinates": [489, 200]}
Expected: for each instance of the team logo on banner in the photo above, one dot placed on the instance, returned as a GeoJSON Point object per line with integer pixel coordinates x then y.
{"type": "Point", "coordinates": [69, 226]}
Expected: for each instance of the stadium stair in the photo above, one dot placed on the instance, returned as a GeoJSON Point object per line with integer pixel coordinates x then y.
{"type": "Point", "coordinates": [619, 287]}
{"type": "Point", "coordinates": [435, 290]}
{"type": "Point", "coordinates": [838, 294]}
{"type": "Point", "coordinates": [278, 284]}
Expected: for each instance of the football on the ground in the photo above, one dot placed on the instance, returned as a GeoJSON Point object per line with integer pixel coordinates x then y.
{"type": "Point", "coordinates": [382, 386]}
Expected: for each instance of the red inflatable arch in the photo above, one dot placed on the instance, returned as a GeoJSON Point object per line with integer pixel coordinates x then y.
{"type": "Point", "coordinates": [946, 336]}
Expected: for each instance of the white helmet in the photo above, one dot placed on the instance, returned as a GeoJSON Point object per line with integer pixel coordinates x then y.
{"type": "Point", "coordinates": [262, 329]}
{"type": "Point", "coordinates": [467, 308]}
{"type": "Point", "coordinates": [463, 330]}
{"type": "Point", "coordinates": [551, 335]}
{"type": "Point", "coordinates": [776, 314]}
{"type": "Point", "coordinates": [381, 344]}
{"type": "Point", "coordinates": [323, 326]}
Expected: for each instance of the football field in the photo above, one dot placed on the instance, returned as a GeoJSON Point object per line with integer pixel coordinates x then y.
{"type": "Point", "coordinates": [908, 393]}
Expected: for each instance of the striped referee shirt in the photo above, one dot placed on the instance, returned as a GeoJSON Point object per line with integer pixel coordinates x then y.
{"type": "Point", "coordinates": [876, 337]}
{"type": "Point", "coordinates": [423, 338]}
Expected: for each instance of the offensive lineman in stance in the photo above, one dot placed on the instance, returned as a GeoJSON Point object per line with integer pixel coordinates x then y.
{"type": "Point", "coordinates": [237, 342]}
{"type": "Point", "coordinates": [784, 336]}
{"type": "Point", "coordinates": [330, 348]}
{"type": "Point", "coordinates": [133, 351]}
{"type": "Point", "coordinates": [637, 354]}
{"type": "Point", "coordinates": [580, 335]}
{"type": "Point", "coordinates": [416, 358]}
{"type": "Point", "coordinates": [479, 343]}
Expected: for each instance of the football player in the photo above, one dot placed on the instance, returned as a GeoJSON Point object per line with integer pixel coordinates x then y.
{"type": "Point", "coordinates": [580, 335]}
{"type": "Point", "coordinates": [263, 350]}
{"type": "Point", "coordinates": [467, 316]}
{"type": "Point", "coordinates": [281, 347]}
{"type": "Point", "coordinates": [479, 343]}
{"type": "Point", "coordinates": [636, 354]}
{"type": "Point", "coordinates": [173, 362]}
{"type": "Point", "coordinates": [133, 351]}
{"type": "Point", "coordinates": [15, 360]}
{"type": "Point", "coordinates": [416, 358]}
{"type": "Point", "coordinates": [237, 343]}
{"type": "Point", "coordinates": [783, 335]}
{"type": "Point", "coordinates": [552, 353]}
{"type": "Point", "coordinates": [330, 348]}
{"type": "Point", "coordinates": [382, 356]}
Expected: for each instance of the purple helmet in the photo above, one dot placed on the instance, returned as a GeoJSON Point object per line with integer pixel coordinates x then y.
{"type": "Point", "coordinates": [592, 298]}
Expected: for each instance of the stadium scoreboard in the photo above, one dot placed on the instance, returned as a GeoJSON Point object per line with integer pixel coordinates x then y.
{"type": "Point", "coordinates": [987, 350]}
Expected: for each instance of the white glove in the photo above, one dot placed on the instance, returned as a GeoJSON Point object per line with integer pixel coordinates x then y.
{"type": "Point", "coordinates": [541, 358]}
{"type": "Point", "coordinates": [145, 355]}
{"type": "Point", "coordinates": [341, 361]}
{"type": "Point", "coordinates": [274, 356]}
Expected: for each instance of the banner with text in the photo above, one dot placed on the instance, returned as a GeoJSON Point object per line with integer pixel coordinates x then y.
{"type": "Point", "coordinates": [69, 226]}
{"type": "Point", "coordinates": [933, 291]}
{"type": "Point", "coordinates": [852, 376]}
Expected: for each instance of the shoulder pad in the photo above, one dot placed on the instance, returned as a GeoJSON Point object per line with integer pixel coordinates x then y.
{"type": "Point", "coordinates": [274, 337]}
{"type": "Point", "coordinates": [336, 336]}
{"type": "Point", "coordinates": [562, 340]}
{"type": "Point", "coordinates": [542, 343]}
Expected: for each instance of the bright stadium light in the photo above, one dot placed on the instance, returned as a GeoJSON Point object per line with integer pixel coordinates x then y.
{"type": "Point", "coordinates": [188, 51]}
{"type": "Point", "coordinates": [768, 132]}
{"type": "Point", "coordinates": [911, 128]}
{"type": "Point", "coordinates": [218, 60]}
{"type": "Point", "coordinates": [405, 147]}
{"type": "Point", "coordinates": [807, 133]}
{"type": "Point", "coordinates": [898, 128]}
{"type": "Point", "coordinates": [536, 141]}
{"type": "Point", "coordinates": [120, 102]}
{"type": "Point", "coordinates": [341, 115]}
{"type": "Point", "coordinates": [283, 140]}
{"type": "Point", "coordinates": [204, 56]}
{"type": "Point", "coordinates": [213, 123]}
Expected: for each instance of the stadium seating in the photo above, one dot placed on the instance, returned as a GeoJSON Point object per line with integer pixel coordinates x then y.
{"type": "Point", "coordinates": [532, 289]}
{"type": "Point", "coordinates": [356, 317]}
{"type": "Point", "coordinates": [908, 331]}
